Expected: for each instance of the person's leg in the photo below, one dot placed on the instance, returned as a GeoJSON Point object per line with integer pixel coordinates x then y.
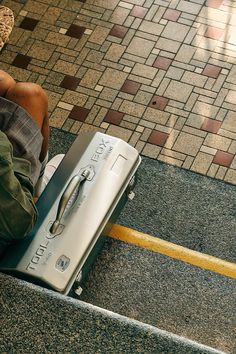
{"type": "Point", "coordinates": [49, 171]}
{"type": "Point", "coordinates": [6, 82]}
{"type": "Point", "coordinates": [34, 100]}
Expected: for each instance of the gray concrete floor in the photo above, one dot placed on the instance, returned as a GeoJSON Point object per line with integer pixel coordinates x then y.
{"type": "Point", "coordinates": [166, 293]}
{"type": "Point", "coordinates": [35, 320]}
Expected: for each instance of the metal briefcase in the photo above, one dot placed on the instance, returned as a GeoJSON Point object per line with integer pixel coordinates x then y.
{"type": "Point", "coordinates": [81, 200]}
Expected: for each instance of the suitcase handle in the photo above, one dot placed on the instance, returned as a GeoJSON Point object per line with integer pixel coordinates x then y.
{"type": "Point", "coordinates": [74, 183]}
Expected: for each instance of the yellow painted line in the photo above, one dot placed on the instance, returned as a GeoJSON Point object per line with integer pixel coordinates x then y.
{"type": "Point", "coordinates": [172, 250]}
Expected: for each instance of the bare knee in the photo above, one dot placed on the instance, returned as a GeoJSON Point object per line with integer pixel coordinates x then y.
{"type": "Point", "coordinates": [27, 91]}
{"type": "Point", "coordinates": [6, 82]}
{"type": "Point", "coordinates": [32, 98]}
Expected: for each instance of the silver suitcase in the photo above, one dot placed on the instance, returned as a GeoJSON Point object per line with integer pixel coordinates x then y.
{"type": "Point", "coordinates": [81, 201]}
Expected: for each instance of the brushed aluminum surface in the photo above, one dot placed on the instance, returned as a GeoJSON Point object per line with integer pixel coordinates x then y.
{"type": "Point", "coordinates": [55, 258]}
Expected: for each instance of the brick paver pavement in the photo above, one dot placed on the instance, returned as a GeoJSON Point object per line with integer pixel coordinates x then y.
{"type": "Point", "coordinates": [159, 74]}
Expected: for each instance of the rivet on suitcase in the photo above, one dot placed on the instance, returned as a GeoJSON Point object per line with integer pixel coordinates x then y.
{"type": "Point", "coordinates": [83, 198]}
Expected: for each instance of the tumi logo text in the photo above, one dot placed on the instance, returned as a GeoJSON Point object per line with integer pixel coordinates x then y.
{"type": "Point", "coordinates": [100, 150]}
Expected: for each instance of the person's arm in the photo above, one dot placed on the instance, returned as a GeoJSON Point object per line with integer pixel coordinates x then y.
{"type": "Point", "coordinates": [17, 210]}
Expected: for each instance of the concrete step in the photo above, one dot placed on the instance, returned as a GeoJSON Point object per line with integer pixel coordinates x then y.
{"type": "Point", "coordinates": [163, 292]}
{"type": "Point", "coordinates": [185, 208]}
{"type": "Point", "coordinates": [37, 321]}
